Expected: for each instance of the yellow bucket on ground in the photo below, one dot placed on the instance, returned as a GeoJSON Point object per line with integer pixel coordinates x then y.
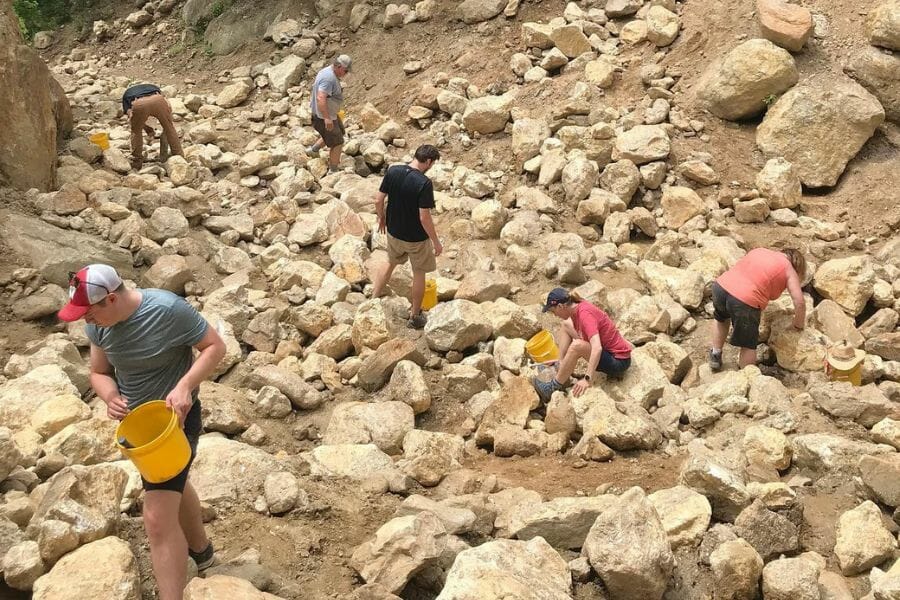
{"type": "Point", "coordinates": [341, 114]}
{"type": "Point", "coordinates": [429, 299]}
{"type": "Point", "coordinates": [542, 347]}
{"type": "Point", "coordinates": [854, 375]}
{"type": "Point", "coordinates": [159, 449]}
{"type": "Point", "coordinates": [101, 139]}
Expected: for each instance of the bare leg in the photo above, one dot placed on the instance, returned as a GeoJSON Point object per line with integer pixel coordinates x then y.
{"type": "Point", "coordinates": [168, 546]}
{"type": "Point", "coordinates": [719, 333]}
{"type": "Point", "coordinates": [748, 357]}
{"type": "Point", "coordinates": [191, 520]}
{"type": "Point", "coordinates": [577, 349]}
{"type": "Point", "coordinates": [381, 279]}
{"type": "Point", "coordinates": [334, 157]}
{"type": "Point", "coordinates": [418, 291]}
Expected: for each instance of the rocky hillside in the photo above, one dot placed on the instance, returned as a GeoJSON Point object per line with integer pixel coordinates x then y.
{"type": "Point", "coordinates": [631, 150]}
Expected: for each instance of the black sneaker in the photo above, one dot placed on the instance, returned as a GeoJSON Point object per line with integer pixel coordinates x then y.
{"type": "Point", "coordinates": [715, 360]}
{"type": "Point", "coordinates": [204, 558]}
{"type": "Point", "coordinates": [417, 322]}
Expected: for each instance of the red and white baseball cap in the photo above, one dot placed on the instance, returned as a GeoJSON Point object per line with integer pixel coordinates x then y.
{"type": "Point", "coordinates": [87, 287]}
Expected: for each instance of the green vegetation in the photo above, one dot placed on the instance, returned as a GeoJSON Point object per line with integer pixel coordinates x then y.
{"type": "Point", "coordinates": [40, 15]}
{"type": "Point", "coordinates": [218, 9]}
{"type": "Point", "coordinates": [770, 99]}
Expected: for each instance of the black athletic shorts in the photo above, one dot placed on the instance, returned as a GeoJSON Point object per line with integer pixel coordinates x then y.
{"type": "Point", "coordinates": [332, 138]}
{"type": "Point", "coordinates": [192, 429]}
{"type": "Point", "coordinates": [744, 318]}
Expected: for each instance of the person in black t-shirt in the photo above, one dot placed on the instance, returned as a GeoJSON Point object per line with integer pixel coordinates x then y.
{"type": "Point", "coordinates": [407, 222]}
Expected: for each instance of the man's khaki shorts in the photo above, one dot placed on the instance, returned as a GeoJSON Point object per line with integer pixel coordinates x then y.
{"type": "Point", "coordinates": [421, 254]}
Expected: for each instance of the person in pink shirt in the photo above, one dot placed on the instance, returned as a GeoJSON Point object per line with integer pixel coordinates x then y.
{"type": "Point", "coordinates": [741, 294]}
{"type": "Point", "coordinates": [586, 332]}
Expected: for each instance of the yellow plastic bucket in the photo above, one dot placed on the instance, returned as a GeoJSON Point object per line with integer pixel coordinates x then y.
{"type": "Point", "coordinates": [342, 114]}
{"type": "Point", "coordinates": [101, 139]}
{"type": "Point", "coordinates": [854, 375]}
{"type": "Point", "coordinates": [542, 347]}
{"type": "Point", "coordinates": [160, 450]}
{"type": "Point", "coordinates": [429, 300]}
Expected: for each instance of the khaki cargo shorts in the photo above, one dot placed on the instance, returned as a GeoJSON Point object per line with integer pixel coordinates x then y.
{"type": "Point", "coordinates": [421, 254]}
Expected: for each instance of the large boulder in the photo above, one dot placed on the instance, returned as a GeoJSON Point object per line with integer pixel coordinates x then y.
{"type": "Point", "coordinates": [430, 455]}
{"type": "Point", "coordinates": [736, 568]}
{"type": "Point", "coordinates": [819, 125]}
{"type": "Point", "coordinates": [562, 522]}
{"type": "Point", "coordinates": [883, 25]}
{"type": "Point", "coordinates": [848, 281]}
{"type": "Point", "coordinates": [628, 547]}
{"type": "Point", "coordinates": [227, 471]}
{"type": "Point", "coordinates": [642, 144]}
{"type": "Point", "coordinates": [287, 73]}
{"type": "Point", "coordinates": [105, 569]}
{"type": "Point", "coordinates": [862, 539]}
{"type": "Point", "coordinates": [791, 579]}
{"type": "Point", "coordinates": [826, 454]}
{"type": "Point", "coordinates": [684, 513]}
{"type": "Point", "coordinates": [503, 569]}
{"type": "Point", "coordinates": [456, 325]}
{"type": "Point", "coordinates": [488, 114]}
{"type": "Point", "coordinates": [214, 587]}
{"type": "Point", "coordinates": [475, 11]}
{"type": "Point", "coordinates": [878, 72]}
{"type": "Point", "coordinates": [401, 548]}
{"type": "Point", "coordinates": [724, 488]}
{"type": "Point", "coordinates": [381, 423]}
{"type": "Point", "coordinates": [739, 85]}
{"type": "Point", "coordinates": [685, 286]}
{"type": "Point", "coordinates": [351, 461]}
{"type": "Point", "coordinates": [27, 118]}
{"type": "Point", "coordinates": [57, 252]}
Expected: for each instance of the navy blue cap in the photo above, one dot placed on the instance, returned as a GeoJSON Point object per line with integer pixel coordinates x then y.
{"type": "Point", "coordinates": [556, 297]}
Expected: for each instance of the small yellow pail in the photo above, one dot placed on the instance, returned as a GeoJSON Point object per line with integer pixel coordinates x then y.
{"type": "Point", "coordinates": [342, 114]}
{"type": "Point", "coordinates": [160, 450]}
{"type": "Point", "coordinates": [854, 375]}
{"type": "Point", "coordinates": [429, 299]}
{"type": "Point", "coordinates": [100, 139]}
{"type": "Point", "coordinates": [542, 347]}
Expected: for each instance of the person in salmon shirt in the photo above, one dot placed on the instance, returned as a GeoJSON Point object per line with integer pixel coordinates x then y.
{"type": "Point", "coordinates": [586, 332]}
{"type": "Point", "coordinates": [741, 294]}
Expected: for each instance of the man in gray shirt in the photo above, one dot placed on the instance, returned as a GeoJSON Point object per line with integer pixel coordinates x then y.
{"type": "Point", "coordinates": [325, 103]}
{"type": "Point", "coordinates": [142, 344]}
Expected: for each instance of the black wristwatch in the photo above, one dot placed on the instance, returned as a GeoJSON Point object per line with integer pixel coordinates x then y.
{"type": "Point", "coordinates": [588, 378]}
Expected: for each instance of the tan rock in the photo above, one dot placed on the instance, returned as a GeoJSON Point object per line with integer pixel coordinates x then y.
{"type": "Point", "coordinates": [788, 25]}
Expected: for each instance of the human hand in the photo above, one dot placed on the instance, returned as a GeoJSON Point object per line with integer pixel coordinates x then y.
{"type": "Point", "coordinates": [329, 124]}
{"type": "Point", "coordinates": [179, 399]}
{"type": "Point", "coordinates": [550, 363]}
{"type": "Point", "coordinates": [580, 387]}
{"type": "Point", "coordinates": [382, 226]}
{"type": "Point", "coordinates": [438, 248]}
{"type": "Point", "coordinates": [117, 408]}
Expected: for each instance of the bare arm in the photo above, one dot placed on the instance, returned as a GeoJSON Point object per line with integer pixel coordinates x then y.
{"type": "Point", "coordinates": [212, 349]}
{"type": "Point", "coordinates": [322, 104]}
{"type": "Point", "coordinates": [596, 351]}
{"type": "Point", "coordinates": [428, 226]}
{"type": "Point", "coordinates": [104, 384]}
{"type": "Point", "coordinates": [379, 210]}
{"type": "Point", "coordinates": [793, 286]}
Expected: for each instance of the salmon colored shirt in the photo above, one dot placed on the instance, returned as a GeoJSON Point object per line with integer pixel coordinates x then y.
{"type": "Point", "coordinates": [758, 278]}
{"type": "Point", "coordinates": [589, 320]}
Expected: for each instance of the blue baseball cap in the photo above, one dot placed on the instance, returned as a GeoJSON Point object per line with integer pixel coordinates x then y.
{"type": "Point", "coordinates": [556, 297]}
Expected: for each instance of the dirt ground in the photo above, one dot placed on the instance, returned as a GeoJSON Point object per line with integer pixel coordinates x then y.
{"type": "Point", "coordinates": [310, 551]}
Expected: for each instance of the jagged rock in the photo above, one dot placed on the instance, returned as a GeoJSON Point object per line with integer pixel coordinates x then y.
{"type": "Point", "coordinates": [643, 383]}
{"type": "Point", "coordinates": [824, 453]}
{"type": "Point", "coordinates": [500, 569]}
{"type": "Point", "coordinates": [234, 94]}
{"type": "Point", "coordinates": [600, 72]}
{"type": "Point", "coordinates": [376, 369]}
{"type": "Point", "coordinates": [631, 429]}
{"type": "Point", "coordinates": [570, 40]}
{"type": "Point", "coordinates": [680, 205]}
{"type": "Point", "coordinates": [685, 514]}
{"type": "Point", "coordinates": [818, 126]}
{"type": "Point", "coordinates": [287, 73]}
{"type": "Point", "coordinates": [736, 568]}
{"type": "Point", "coordinates": [227, 471]}
{"type": "Point", "coordinates": [516, 399]}
{"type": "Point", "coordinates": [282, 492]}
{"type": "Point", "coordinates": [456, 520]}
{"type": "Point", "coordinates": [848, 281]}
{"type": "Point", "coordinates": [739, 85]}
{"type": "Point", "coordinates": [211, 587]}
{"type": "Point", "coordinates": [488, 217]}
{"type": "Point", "coordinates": [488, 114]}
{"type": "Point", "coordinates": [408, 385]}
{"type": "Point", "coordinates": [22, 565]}
{"type": "Point", "coordinates": [578, 177]}
{"type": "Point", "coordinates": [371, 325]}
{"type": "Point", "coordinates": [887, 431]}
{"type": "Point", "coordinates": [770, 533]}
{"type": "Point", "coordinates": [105, 568]}
{"type": "Point", "coordinates": [223, 408]}
{"type": "Point", "coordinates": [866, 405]}
{"type": "Point", "coordinates": [85, 442]}
{"type": "Point", "coordinates": [791, 579]}
{"type": "Point", "coordinates": [351, 461]}
{"type": "Point", "coordinates": [483, 286]}
{"type": "Point", "coordinates": [862, 540]}
{"type": "Point", "coordinates": [456, 325]}
{"type": "Point", "coordinates": [885, 345]}
{"type": "Point", "coordinates": [787, 25]}
{"type": "Point", "coordinates": [527, 137]}
{"type": "Point", "coordinates": [627, 546]}
{"type": "Point", "coordinates": [401, 548]}
{"type": "Point", "coordinates": [169, 272]}
{"type": "Point", "coordinates": [724, 488]}
{"type": "Point", "coordinates": [883, 25]}
{"type": "Point", "coordinates": [301, 394]}
{"type": "Point", "coordinates": [767, 446]}
{"type": "Point", "coordinates": [642, 144]}
{"type": "Point", "coordinates": [829, 318]}
{"type": "Point", "coordinates": [662, 25]}
{"type": "Point", "coordinates": [686, 287]}
{"type": "Point", "coordinates": [561, 522]}
{"type": "Point", "coordinates": [880, 474]}
{"type": "Point", "coordinates": [622, 8]}
{"type": "Point", "coordinates": [429, 456]}
{"type": "Point", "coordinates": [381, 423]}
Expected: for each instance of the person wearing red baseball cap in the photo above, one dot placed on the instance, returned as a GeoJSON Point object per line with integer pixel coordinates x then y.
{"type": "Point", "coordinates": [142, 343]}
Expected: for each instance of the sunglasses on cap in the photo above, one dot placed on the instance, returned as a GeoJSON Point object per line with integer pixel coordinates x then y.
{"type": "Point", "coordinates": [74, 282]}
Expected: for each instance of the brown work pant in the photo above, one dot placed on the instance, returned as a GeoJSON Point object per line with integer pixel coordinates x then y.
{"type": "Point", "coordinates": [152, 106]}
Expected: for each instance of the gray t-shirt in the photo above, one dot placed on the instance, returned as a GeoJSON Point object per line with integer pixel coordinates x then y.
{"type": "Point", "coordinates": [152, 349]}
{"type": "Point", "coordinates": [329, 83]}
